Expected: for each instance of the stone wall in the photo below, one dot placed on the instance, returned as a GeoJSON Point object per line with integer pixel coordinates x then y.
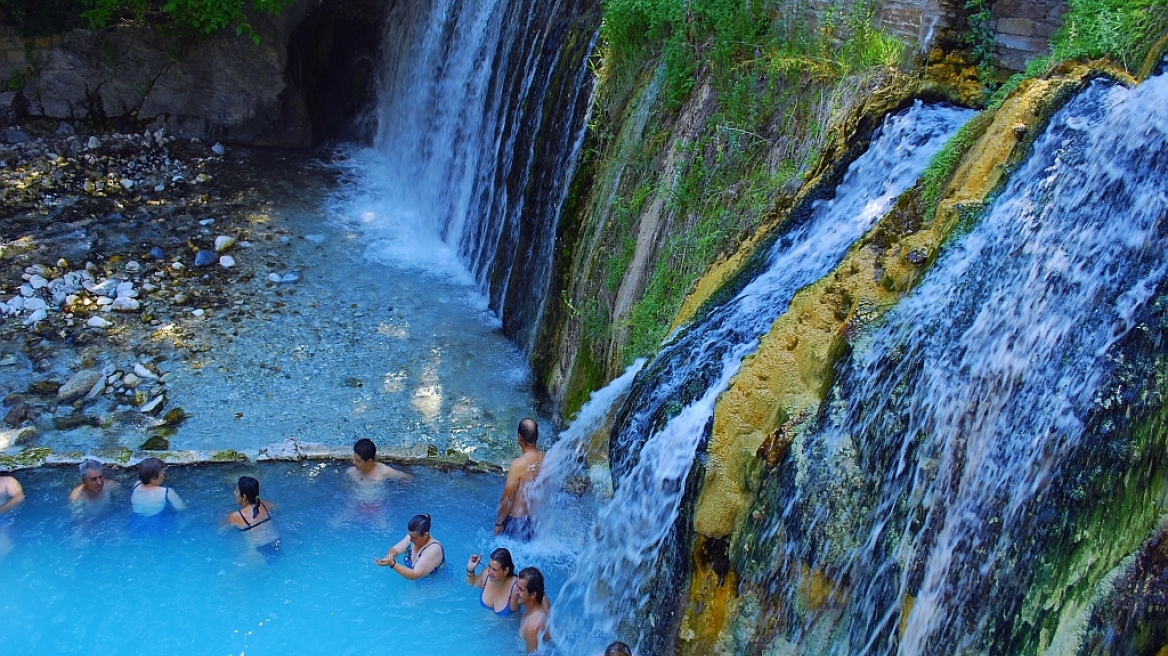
{"type": "Point", "coordinates": [1021, 27]}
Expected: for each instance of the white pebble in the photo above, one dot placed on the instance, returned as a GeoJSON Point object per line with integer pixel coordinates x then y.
{"type": "Point", "coordinates": [127, 184]}
{"type": "Point", "coordinates": [94, 142]}
{"type": "Point", "coordinates": [223, 242]}
{"type": "Point", "coordinates": [198, 313]}
{"type": "Point", "coordinates": [177, 266]}
{"type": "Point", "coordinates": [142, 372]}
{"type": "Point", "coordinates": [98, 322]}
{"type": "Point", "coordinates": [125, 304]}
{"type": "Point", "coordinates": [274, 277]}
{"type": "Point", "coordinates": [226, 261]}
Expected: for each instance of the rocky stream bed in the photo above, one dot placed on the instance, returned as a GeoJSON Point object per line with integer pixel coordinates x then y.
{"type": "Point", "coordinates": [159, 294]}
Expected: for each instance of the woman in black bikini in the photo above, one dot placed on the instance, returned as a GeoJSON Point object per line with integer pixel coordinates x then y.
{"type": "Point", "coordinates": [422, 555]}
{"type": "Point", "coordinates": [254, 518]}
{"type": "Point", "coordinates": [497, 581]}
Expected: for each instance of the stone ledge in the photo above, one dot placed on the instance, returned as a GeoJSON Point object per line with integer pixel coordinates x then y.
{"type": "Point", "coordinates": [288, 451]}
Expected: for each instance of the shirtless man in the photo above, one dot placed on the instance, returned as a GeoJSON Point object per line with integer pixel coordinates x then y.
{"type": "Point", "coordinates": [529, 594]}
{"type": "Point", "coordinates": [91, 497]}
{"type": "Point", "coordinates": [513, 519]}
{"type": "Point", "coordinates": [11, 496]}
{"type": "Point", "coordinates": [366, 480]}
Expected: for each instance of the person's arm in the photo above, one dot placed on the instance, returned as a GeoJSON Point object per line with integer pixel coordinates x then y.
{"type": "Point", "coordinates": [473, 578]}
{"type": "Point", "coordinates": [396, 474]}
{"type": "Point", "coordinates": [75, 495]}
{"type": "Point", "coordinates": [15, 495]}
{"type": "Point", "coordinates": [394, 551]}
{"type": "Point", "coordinates": [507, 499]}
{"type": "Point", "coordinates": [175, 499]}
{"type": "Point", "coordinates": [427, 562]}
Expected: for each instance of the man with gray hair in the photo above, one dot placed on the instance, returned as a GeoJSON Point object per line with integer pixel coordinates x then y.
{"type": "Point", "coordinates": [91, 497]}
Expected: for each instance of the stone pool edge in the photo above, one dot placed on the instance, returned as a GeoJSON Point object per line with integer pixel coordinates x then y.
{"type": "Point", "coordinates": [289, 450]}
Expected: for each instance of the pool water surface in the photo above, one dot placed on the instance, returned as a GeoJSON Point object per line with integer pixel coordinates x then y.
{"type": "Point", "coordinates": [199, 589]}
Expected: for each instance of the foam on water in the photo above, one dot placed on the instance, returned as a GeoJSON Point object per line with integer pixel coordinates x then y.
{"type": "Point", "coordinates": [199, 589]}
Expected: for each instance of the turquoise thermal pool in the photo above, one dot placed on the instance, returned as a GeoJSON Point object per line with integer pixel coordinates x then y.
{"type": "Point", "coordinates": [199, 589]}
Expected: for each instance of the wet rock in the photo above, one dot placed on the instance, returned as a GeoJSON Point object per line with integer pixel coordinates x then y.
{"type": "Point", "coordinates": [15, 136]}
{"type": "Point", "coordinates": [44, 388]}
{"type": "Point", "coordinates": [157, 253]}
{"type": "Point", "coordinates": [155, 443]}
{"type": "Point", "coordinates": [70, 422]}
{"type": "Point", "coordinates": [18, 414]}
{"type": "Point", "coordinates": [219, 149]}
{"type": "Point", "coordinates": [99, 322]}
{"type": "Point", "coordinates": [204, 258]}
{"type": "Point", "coordinates": [79, 385]}
{"type": "Point", "coordinates": [226, 261]}
{"type": "Point", "coordinates": [175, 416]}
{"type": "Point", "coordinates": [223, 242]}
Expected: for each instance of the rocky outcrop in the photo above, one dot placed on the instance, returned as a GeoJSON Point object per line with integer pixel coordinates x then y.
{"type": "Point", "coordinates": [225, 87]}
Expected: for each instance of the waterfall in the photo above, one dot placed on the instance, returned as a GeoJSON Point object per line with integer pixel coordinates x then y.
{"type": "Point", "coordinates": [480, 118]}
{"type": "Point", "coordinates": [957, 444]}
{"type": "Point", "coordinates": [655, 438]}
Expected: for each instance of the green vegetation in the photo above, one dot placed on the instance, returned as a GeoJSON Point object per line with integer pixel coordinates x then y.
{"type": "Point", "coordinates": [188, 18]}
{"type": "Point", "coordinates": [1122, 30]}
{"type": "Point", "coordinates": [774, 75]}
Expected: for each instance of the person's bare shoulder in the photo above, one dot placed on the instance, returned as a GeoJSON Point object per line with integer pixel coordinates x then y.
{"type": "Point", "coordinates": [384, 472]}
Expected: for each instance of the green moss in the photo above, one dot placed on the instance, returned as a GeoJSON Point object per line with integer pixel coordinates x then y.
{"type": "Point", "coordinates": [31, 457]}
{"type": "Point", "coordinates": [227, 455]}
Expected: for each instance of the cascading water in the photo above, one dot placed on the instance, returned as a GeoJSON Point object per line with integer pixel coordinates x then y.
{"type": "Point", "coordinates": [950, 461]}
{"type": "Point", "coordinates": [655, 439]}
{"type": "Point", "coordinates": [481, 114]}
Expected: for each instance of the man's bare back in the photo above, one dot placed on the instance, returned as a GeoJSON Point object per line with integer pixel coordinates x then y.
{"type": "Point", "coordinates": [514, 506]}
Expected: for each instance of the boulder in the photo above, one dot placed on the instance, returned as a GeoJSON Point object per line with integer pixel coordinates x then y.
{"type": "Point", "coordinates": [79, 385]}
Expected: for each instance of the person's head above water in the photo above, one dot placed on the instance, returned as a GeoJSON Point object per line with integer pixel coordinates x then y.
{"type": "Point", "coordinates": [529, 431]}
{"type": "Point", "coordinates": [150, 469]}
{"type": "Point", "coordinates": [249, 489]}
{"type": "Point", "coordinates": [365, 449]}
{"type": "Point", "coordinates": [502, 558]}
{"type": "Point", "coordinates": [618, 648]}
{"type": "Point", "coordinates": [92, 477]}
{"type": "Point", "coordinates": [419, 525]}
{"type": "Point", "coordinates": [532, 580]}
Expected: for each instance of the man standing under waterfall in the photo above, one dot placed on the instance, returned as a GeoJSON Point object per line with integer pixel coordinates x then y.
{"type": "Point", "coordinates": [513, 518]}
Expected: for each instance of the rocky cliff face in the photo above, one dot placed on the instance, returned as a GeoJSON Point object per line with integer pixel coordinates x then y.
{"type": "Point", "coordinates": [309, 78]}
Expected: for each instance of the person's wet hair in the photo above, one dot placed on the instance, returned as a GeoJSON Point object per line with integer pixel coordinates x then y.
{"type": "Point", "coordinates": [88, 466]}
{"type": "Point", "coordinates": [618, 648]}
{"type": "Point", "coordinates": [420, 524]}
{"type": "Point", "coordinates": [533, 580]}
{"type": "Point", "coordinates": [503, 557]}
{"type": "Point", "coordinates": [150, 469]}
{"type": "Point", "coordinates": [529, 430]}
{"type": "Point", "coordinates": [249, 489]}
{"type": "Point", "coordinates": [365, 449]}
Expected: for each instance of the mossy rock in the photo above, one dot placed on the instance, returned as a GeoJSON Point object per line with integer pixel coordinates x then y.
{"type": "Point", "coordinates": [227, 455]}
{"type": "Point", "coordinates": [27, 458]}
{"type": "Point", "coordinates": [155, 443]}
